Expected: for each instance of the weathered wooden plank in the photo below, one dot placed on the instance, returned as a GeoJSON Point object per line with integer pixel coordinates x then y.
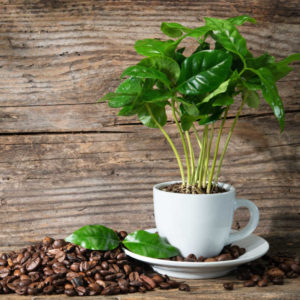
{"type": "Point", "coordinates": [57, 182]}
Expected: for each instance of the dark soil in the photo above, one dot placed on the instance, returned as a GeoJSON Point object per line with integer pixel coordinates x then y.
{"type": "Point", "coordinates": [178, 188]}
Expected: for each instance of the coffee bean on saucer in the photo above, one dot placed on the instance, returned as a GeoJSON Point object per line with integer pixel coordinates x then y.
{"type": "Point", "coordinates": [184, 287]}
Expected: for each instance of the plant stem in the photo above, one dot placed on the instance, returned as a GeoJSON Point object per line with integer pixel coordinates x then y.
{"type": "Point", "coordinates": [192, 156]}
{"type": "Point", "coordinates": [204, 166]}
{"type": "Point", "coordinates": [208, 154]}
{"type": "Point", "coordinates": [199, 159]}
{"type": "Point", "coordinates": [183, 143]}
{"type": "Point", "coordinates": [203, 151]}
{"type": "Point", "coordinates": [170, 142]}
{"type": "Point", "coordinates": [197, 136]}
{"type": "Point", "coordinates": [227, 141]}
{"type": "Point", "coordinates": [216, 153]}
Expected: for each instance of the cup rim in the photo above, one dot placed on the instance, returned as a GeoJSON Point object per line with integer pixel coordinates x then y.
{"type": "Point", "coordinates": [228, 187]}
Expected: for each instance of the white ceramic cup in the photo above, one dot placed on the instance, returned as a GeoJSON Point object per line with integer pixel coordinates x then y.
{"type": "Point", "coordinates": [200, 223]}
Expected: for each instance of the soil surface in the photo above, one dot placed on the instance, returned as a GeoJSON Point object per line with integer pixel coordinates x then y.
{"type": "Point", "coordinates": [178, 188]}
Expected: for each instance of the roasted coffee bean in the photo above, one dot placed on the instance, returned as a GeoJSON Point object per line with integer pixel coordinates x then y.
{"type": "Point", "coordinates": [191, 257]}
{"type": "Point", "coordinates": [59, 243]}
{"type": "Point", "coordinates": [47, 241]}
{"type": "Point", "coordinates": [234, 250]}
{"type": "Point", "coordinates": [291, 274]}
{"type": "Point", "coordinates": [121, 256]}
{"type": "Point", "coordinates": [278, 280]}
{"type": "Point", "coordinates": [136, 283]}
{"type": "Point", "coordinates": [275, 272]}
{"type": "Point", "coordinates": [174, 284]}
{"type": "Point", "coordinates": [123, 234]}
{"type": "Point", "coordinates": [148, 280]}
{"type": "Point", "coordinates": [200, 258]}
{"type": "Point", "coordinates": [157, 278]}
{"type": "Point", "coordinates": [33, 264]}
{"type": "Point", "coordinates": [127, 269]}
{"type": "Point", "coordinates": [255, 278]}
{"type": "Point", "coordinates": [164, 286]}
{"type": "Point", "coordinates": [48, 289]}
{"type": "Point", "coordinates": [184, 287]}
{"type": "Point", "coordinates": [81, 290]}
{"type": "Point", "coordinates": [3, 262]}
{"type": "Point", "coordinates": [134, 276]}
{"type": "Point", "coordinates": [21, 291]}
{"type": "Point", "coordinates": [263, 282]}
{"type": "Point", "coordinates": [249, 283]}
{"type": "Point", "coordinates": [295, 268]}
{"type": "Point", "coordinates": [70, 292]}
{"type": "Point", "coordinates": [228, 286]}
{"type": "Point", "coordinates": [223, 257]}
{"type": "Point", "coordinates": [211, 259]}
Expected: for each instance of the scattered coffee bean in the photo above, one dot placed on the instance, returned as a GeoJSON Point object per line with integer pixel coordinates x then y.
{"type": "Point", "coordinates": [184, 287]}
{"type": "Point", "coordinates": [263, 282]}
{"type": "Point", "coordinates": [228, 286]}
{"type": "Point", "coordinates": [249, 283]}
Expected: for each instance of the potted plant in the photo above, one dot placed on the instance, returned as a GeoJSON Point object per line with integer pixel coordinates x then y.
{"type": "Point", "coordinates": [195, 214]}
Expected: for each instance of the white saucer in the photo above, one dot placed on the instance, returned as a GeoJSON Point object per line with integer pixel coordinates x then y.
{"type": "Point", "coordinates": [255, 247]}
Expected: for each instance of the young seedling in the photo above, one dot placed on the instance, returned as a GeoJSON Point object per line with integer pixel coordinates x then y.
{"type": "Point", "coordinates": [199, 89]}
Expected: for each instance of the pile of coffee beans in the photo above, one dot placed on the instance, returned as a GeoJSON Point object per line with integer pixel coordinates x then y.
{"type": "Point", "coordinates": [228, 253]}
{"type": "Point", "coordinates": [56, 267]}
{"type": "Point", "coordinates": [267, 270]}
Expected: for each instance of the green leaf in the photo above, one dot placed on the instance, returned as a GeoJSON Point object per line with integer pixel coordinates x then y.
{"type": "Point", "coordinates": [145, 72]}
{"type": "Point", "coordinates": [223, 100]}
{"type": "Point", "coordinates": [163, 64]}
{"type": "Point", "coordinates": [130, 86]}
{"type": "Point", "coordinates": [118, 100]}
{"type": "Point", "coordinates": [127, 110]}
{"type": "Point", "coordinates": [270, 93]}
{"type": "Point", "coordinates": [219, 90]}
{"type": "Point", "coordinates": [149, 244]}
{"type": "Point", "coordinates": [212, 118]}
{"type": "Point", "coordinates": [198, 32]}
{"type": "Point", "coordinates": [158, 111]}
{"type": "Point", "coordinates": [173, 29]}
{"type": "Point", "coordinates": [190, 108]}
{"type": "Point", "coordinates": [261, 61]}
{"type": "Point", "coordinates": [204, 71]}
{"type": "Point", "coordinates": [282, 68]}
{"type": "Point", "coordinates": [240, 20]}
{"type": "Point", "coordinates": [150, 47]}
{"type": "Point", "coordinates": [187, 121]}
{"type": "Point", "coordinates": [252, 99]}
{"type": "Point", "coordinates": [94, 237]}
{"type": "Point", "coordinates": [225, 33]}
{"type": "Point", "coordinates": [155, 96]}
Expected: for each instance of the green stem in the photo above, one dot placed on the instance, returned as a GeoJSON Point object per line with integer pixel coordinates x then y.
{"type": "Point", "coordinates": [212, 170]}
{"type": "Point", "coordinates": [208, 154]}
{"type": "Point", "coordinates": [197, 136]}
{"type": "Point", "coordinates": [192, 155]}
{"type": "Point", "coordinates": [203, 151]}
{"type": "Point", "coordinates": [227, 141]}
{"type": "Point", "coordinates": [199, 159]}
{"type": "Point", "coordinates": [204, 171]}
{"type": "Point", "coordinates": [170, 142]}
{"type": "Point", "coordinates": [183, 143]}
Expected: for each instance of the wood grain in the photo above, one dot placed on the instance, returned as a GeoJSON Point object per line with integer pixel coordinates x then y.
{"type": "Point", "coordinates": [66, 161]}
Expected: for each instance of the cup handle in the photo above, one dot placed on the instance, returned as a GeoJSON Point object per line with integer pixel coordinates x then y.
{"type": "Point", "coordinates": [252, 224]}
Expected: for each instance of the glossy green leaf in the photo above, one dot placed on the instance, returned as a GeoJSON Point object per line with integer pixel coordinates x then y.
{"type": "Point", "coordinates": [150, 47]}
{"type": "Point", "coordinates": [261, 61]}
{"type": "Point", "coordinates": [270, 93]}
{"type": "Point", "coordinates": [145, 72]}
{"type": "Point", "coordinates": [94, 237]}
{"type": "Point", "coordinates": [118, 100]}
{"type": "Point", "coordinates": [252, 99]}
{"type": "Point", "coordinates": [198, 32]}
{"type": "Point", "coordinates": [225, 33]}
{"type": "Point", "coordinates": [212, 118]}
{"type": "Point", "coordinates": [173, 29]}
{"type": "Point", "coordinates": [152, 96]}
{"type": "Point", "coordinates": [130, 86]}
{"type": "Point", "coordinates": [149, 244]}
{"type": "Point", "coordinates": [187, 121]}
{"type": "Point", "coordinates": [203, 72]}
{"type": "Point", "coordinates": [282, 68]}
{"type": "Point", "coordinates": [164, 64]}
{"type": "Point", "coordinates": [127, 110]}
{"type": "Point", "coordinates": [219, 90]}
{"type": "Point", "coordinates": [240, 20]}
{"type": "Point", "coordinates": [223, 100]}
{"type": "Point", "coordinates": [189, 108]}
{"type": "Point", "coordinates": [158, 111]}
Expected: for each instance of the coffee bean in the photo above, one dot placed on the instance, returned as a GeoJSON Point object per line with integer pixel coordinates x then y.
{"type": "Point", "coordinates": [134, 276]}
{"type": "Point", "coordinates": [157, 278]}
{"type": "Point", "coordinates": [127, 269]}
{"type": "Point", "coordinates": [228, 286]}
{"type": "Point", "coordinates": [148, 280]}
{"type": "Point", "coordinates": [47, 241]}
{"type": "Point", "coordinates": [33, 264]}
{"type": "Point", "coordinates": [275, 272]}
{"type": "Point", "coordinates": [210, 259]}
{"type": "Point", "coordinates": [224, 257]}
{"type": "Point", "coordinates": [173, 284]}
{"type": "Point", "coordinates": [191, 257]}
{"type": "Point", "coordinates": [123, 234]}
{"type": "Point", "coordinates": [200, 258]}
{"type": "Point", "coordinates": [184, 287]}
{"type": "Point", "coordinates": [59, 243]}
{"type": "Point", "coordinates": [255, 278]}
{"type": "Point", "coordinates": [278, 280]}
{"type": "Point", "coordinates": [263, 282]}
{"type": "Point", "coordinates": [295, 268]}
{"type": "Point", "coordinates": [81, 290]}
{"type": "Point", "coordinates": [249, 283]}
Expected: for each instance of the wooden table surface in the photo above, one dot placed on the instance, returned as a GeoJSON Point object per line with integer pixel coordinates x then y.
{"type": "Point", "coordinates": [200, 289]}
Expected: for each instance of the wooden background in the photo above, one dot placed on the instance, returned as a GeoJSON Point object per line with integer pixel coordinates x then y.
{"type": "Point", "coordinates": [66, 161]}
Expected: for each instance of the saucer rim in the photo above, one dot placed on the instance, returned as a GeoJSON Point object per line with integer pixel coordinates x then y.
{"type": "Point", "coordinates": [230, 263]}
